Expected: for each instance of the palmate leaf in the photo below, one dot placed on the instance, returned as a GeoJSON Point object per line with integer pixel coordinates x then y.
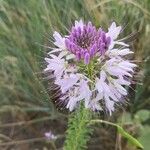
{"type": "Point", "coordinates": [129, 137]}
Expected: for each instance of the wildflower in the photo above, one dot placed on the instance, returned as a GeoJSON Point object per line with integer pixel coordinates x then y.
{"type": "Point", "coordinates": [91, 65]}
{"type": "Point", "coordinates": [50, 136]}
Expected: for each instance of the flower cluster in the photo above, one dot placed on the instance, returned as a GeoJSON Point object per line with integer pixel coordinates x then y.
{"type": "Point", "coordinates": [85, 41]}
{"type": "Point", "coordinates": [90, 65]}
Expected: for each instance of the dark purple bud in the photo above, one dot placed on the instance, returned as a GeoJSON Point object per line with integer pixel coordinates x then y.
{"type": "Point", "coordinates": [94, 30]}
{"type": "Point", "coordinates": [82, 53]}
{"type": "Point", "coordinates": [76, 34]}
{"type": "Point", "coordinates": [73, 48]}
{"type": "Point", "coordinates": [85, 51]}
{"type": "Point", "coordinates": [95, 38]}
{"type": "Point", "coordinates": [84, 29]}
{"type": "Point", "coordinates": [93, 50]}
{"type": "Point", "coordinates": [108, 41]}
{"type": "Point", "coordinates": [89, 29]}
{"type": "Point", "coordinates": [79, 30]}
{"type": "Point", "coordinates": [78, 55]}
{"type": "Point", "coordinates": [99, 41]}
{"type": "Point", "coordinates": [87, 58]}
{"type": "Point", "coordinates": [103, 35]}
{"type": "Point", "coordinates": [67, 43]}
{"type": "Point", "coordinates": [102, 48]}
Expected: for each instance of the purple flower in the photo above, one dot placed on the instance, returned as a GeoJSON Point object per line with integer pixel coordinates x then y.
{"type": "Point", "coordinates": [84, 41]}
{"type": "Point", "coordinates": [89, 66]}
{"type": "Point", "coordinates": [50, 136]}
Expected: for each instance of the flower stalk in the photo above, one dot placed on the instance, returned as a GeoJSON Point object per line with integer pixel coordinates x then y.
{"type": "Point", "coordinates": [78, 129]}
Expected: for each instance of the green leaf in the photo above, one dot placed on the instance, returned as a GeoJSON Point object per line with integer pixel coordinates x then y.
{"type": "Point", "coordinates": [142, 115]}
{"type": "Point", "coordinates": [129, 137]}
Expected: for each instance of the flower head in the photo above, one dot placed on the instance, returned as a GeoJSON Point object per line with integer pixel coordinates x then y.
{"type": "Point", "coordinates": [89, 66]}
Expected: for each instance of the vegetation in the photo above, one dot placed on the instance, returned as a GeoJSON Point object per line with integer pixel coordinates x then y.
{"type": "Point", "coordinates": [26, 108]}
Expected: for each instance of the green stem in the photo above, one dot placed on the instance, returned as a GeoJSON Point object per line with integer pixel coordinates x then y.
{"type": "Point", "coordinates": [90, 70]}
{"type": "Point", "coordinates": [78, 131]}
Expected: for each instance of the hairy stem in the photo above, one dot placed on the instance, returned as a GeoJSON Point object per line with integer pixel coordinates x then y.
{"type": "Point", "coordinates": [78, 131]}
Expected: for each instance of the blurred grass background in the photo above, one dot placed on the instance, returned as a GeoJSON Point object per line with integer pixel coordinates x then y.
{"type": "Point", "coordinates": [26, 111]}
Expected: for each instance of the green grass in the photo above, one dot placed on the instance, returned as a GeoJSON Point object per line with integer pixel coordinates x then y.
{"type": "Point", "coordinates": [25, 25]}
